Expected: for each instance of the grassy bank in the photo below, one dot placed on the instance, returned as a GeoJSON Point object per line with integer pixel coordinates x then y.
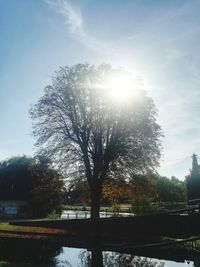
{"type": "Point", "coordinates": [29, 229]}
{"type": "Point", "coordinates": [9, 232]}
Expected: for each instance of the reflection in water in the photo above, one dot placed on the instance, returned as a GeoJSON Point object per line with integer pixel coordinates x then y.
{"type": "Point", "coordinates": [37, 254]}
{"type": "Point", "coordinates": [127, 260]}
{"type": "Point", "coordinates": [109, 259]}
{"type": "Point", "coordinates": [91, 259]}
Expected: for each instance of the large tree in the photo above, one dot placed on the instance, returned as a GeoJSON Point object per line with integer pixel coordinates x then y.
{"type": "Point", "coordinates": [84, 124]}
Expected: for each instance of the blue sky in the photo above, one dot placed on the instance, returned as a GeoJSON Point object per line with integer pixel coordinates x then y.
{"type": "Point", "coordinates": [156, 40]}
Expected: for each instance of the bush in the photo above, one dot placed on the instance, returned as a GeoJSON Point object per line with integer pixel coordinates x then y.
{"type": "Point", "coordinates": [115, 209]}
{"type": "Point", "coordinates": [143, 205]}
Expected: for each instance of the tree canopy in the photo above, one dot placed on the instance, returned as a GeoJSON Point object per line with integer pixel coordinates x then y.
{"type": "Point", "coordinates": [170, 190]}
{"type": "Point", "coordinates": [147, 193]}
{"type": "Point", "coordinates": [16, 180]}
{"type": "Point", "coordinates": [77, 123]}
{"type": "Point", "coordinates": [31, 180]}
{"type": "Point", "coordinates": [193, 180]}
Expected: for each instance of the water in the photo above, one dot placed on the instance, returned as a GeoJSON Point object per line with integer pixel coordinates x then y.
{"type": "Point", "coordinates": [81, 258]}
{"type": "Point", "coordinates": [37, 254]}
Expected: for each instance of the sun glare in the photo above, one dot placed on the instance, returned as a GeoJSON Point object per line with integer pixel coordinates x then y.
{"type": "Point", "coordinates": [121, 88]}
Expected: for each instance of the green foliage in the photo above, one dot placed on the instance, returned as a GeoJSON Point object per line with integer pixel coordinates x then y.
{"type": "Point", "coordinates": [16, 180]}
{"type": "Point", "coordinates": [115, 208]}
{"type": "Point", "coordinates": [34, 181]}
{"type": "Point", "coordinates": [46, 195]}
{"type": "Point", "coordinates": [54, 215]}
{"type": "Point", "coordinates": [143, 205]}
{"type": "Point", "coordinates": [141, 190]}
{"type": "Point", "coordinates": [170, 190]}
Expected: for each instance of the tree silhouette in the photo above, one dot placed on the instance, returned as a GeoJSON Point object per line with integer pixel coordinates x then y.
{"type": "Point", "coordinates": [193, 181]}
{"type": "Point", "coordinates": [76, 121]}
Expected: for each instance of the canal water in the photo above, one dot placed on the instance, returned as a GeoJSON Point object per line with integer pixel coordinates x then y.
{"type": "Point", "coordinates": [31, 254]}
{"type": "Point", "coordinates": [36, 254]}
{"type": "Point", "coordinates": [82, 258]}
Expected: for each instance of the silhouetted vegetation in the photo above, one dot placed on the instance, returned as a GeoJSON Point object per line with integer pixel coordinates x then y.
{"type": "Point", "coordinates": [16, 179]}
{"type": "Point", "coordinates": [31, 180]}
{"type": "Point", "coordinates": [144, 192]}
{"type": "Point", "coordinates": [75, 121]}
{"type": "Point", "coordinates": [170, 190]}
{"type": "Point", "coordinates": [193, 180]}
{"type": "Point", "coordinates": [21, 254]}
{"type": "Point", "coordinates": [108, 259]}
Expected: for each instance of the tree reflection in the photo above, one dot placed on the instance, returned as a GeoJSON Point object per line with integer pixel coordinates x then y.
{"type": "Point", "coordinates": [45, 255]}
{"type": "Point", "coordinates": [127, 260]}
{"type": "Point", "coordinates": [30, 252]}
{"type": "Point", "coordinates": [96, 258]}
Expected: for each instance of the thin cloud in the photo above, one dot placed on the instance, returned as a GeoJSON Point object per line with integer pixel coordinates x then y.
{"type": "Point", "coordinates": [72, 15]}
{"type": "Point", "coordinates": [74, 20]}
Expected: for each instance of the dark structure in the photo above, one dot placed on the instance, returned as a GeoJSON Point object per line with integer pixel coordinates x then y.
{"type": "Point", "coordinates": [193, 182]}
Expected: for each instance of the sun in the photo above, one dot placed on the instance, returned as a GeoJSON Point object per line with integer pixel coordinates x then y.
{"type": "Point", "coordinates": [121, 88]}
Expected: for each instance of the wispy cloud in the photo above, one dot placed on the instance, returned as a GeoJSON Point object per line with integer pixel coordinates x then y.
{"type": "Point", "coordinates": [72, 15]}
{"type": "Point", "coordinates": [74, 21]}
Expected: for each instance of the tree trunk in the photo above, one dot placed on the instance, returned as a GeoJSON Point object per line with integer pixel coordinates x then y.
{"type": "Point", "coordinates": [96, 192]}
{"type": "Point", "coordinates": [97, 258]}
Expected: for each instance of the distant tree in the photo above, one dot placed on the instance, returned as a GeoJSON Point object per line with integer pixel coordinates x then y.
{"type": "Point", "coordinates": [116, 190]}
{"type": "Point", "coordinates": [143, 194]}
{"type": "Point", "coordinates": [170, 190]}
{"type": "Point", "coordinates": [15, 178]}
{"type": "Point", "coordinates": [46, 195]}
{"type": "Point", "coordinates": [75, 121]}
{"type": "Point", "coordinates": [33, 180]}
{"type": "Point", "coordinates": [193, 180]}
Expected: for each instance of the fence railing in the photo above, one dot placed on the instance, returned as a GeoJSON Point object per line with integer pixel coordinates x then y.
{"type": "Point", "coordinates": [125, 212]}
{"type": "Point", "coordinates": [86, 214]}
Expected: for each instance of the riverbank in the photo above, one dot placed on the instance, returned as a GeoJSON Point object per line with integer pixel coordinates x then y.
{"type": "Point", "coordinates": [63, 236]}
{"type": "Point", "coordinates": [121, 228]}
{"type": "Point", "coordinates": [9, 232]}
{"type": "Point", "coordinates": [141, 244]}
